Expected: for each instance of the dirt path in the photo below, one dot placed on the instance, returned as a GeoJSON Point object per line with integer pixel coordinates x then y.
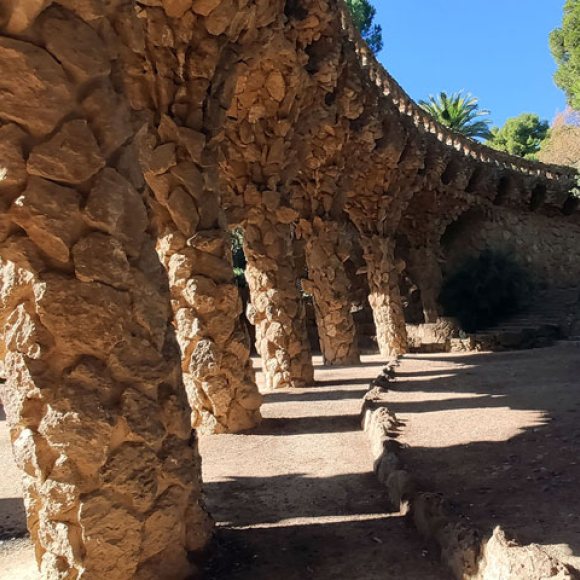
{"type": "Point", "coordinates": [16, 556]}
{"type": "Point", "coordinates": [293, 500]}
{"type": "Point", "coordinates": [499, 435]}
{"type": "Point", "coordinates": [296, 500]}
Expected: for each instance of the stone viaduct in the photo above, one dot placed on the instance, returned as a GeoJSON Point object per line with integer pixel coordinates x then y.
{"type": "Point", "coordinates": [133, 134]}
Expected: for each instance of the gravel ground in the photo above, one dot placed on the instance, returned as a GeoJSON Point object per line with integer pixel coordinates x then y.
{"type": "Point", "coordinates": [499, 435]}
{"type": "Point", "coordinates": [295, 499]}
{"type": "Point", "coordinates": [16, 555]}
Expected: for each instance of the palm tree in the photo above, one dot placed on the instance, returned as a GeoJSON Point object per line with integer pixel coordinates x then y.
{"type": "Point", "coordinates": [460, 112]}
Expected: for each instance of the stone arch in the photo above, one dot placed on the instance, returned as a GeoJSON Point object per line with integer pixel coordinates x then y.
{"type": "Point", "coordinates": [477, 180]}
{"type": "Point", "coordinates": [570, 205]}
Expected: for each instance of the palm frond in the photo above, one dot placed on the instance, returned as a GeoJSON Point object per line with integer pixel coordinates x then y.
{"type": "Point", "coordinates": [459, 111]}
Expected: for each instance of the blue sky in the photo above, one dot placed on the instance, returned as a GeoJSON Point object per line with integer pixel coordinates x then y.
{"type": "Point", "coordinates": [496, 49]}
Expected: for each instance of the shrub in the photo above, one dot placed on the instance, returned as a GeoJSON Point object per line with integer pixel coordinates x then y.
{"type": "Point", "coordinates": [484, 290]}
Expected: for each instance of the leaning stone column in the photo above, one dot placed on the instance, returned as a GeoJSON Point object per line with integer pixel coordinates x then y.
{"type": "Point", "coordinates": [385, 296]}
{"type": "Point", "coordinates": [179, 160]}
{"type": "Point", "coordinates": [329, 285]}
{"type": "Point", "coordinates": [196, 251]}
{"type": "Point", "coordinates": [426, 273]}
{"type": "Point", "coordinates": [94, 396]}
{"type": "Point", "coordinates": [276, 307]}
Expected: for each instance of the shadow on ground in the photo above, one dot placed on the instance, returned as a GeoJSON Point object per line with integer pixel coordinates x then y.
{"type": "Point", "coordinates": [528, 484]}
{"type": "Point", "coordinates": [317, 394]}
{"type": "Point", "coordinates": [12, 514]}
{"type": "Point", "coordinates": [370, 550]}
{"type": "Point", "coordinates": [261, 500]}
{"type": "Point", "coordinates": [12, 519]}
{"type": "Point", "coordinates": [296, 498]}
{"type": "Point", "coordinates": [284, 426]}
{"type": "Point", "coordinates": [264, 535]}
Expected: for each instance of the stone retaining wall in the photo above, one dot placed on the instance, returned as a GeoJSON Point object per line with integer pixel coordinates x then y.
{"type": "Point", "coordinates": [548, 248]}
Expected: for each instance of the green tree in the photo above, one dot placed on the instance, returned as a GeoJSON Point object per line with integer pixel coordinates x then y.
{"type": "Point", "coordinates": [363, 14]}
{"type": "Point", "coordinates": [565, 46]}
{"type": "Point", "coordinates": [522, 135]}
{"type": "Point", "coordinates": [460, 112]}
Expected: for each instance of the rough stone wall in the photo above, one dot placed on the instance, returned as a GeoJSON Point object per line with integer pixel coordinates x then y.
{"type": "Point", "coordinates": [108, 137]}
{"type": "Point", "coordinates": [322, 133]}
{"type": "Point", "coordinates": [547, 248]}
{"type": "Point", "coordinates": [257, 163]}
{"type": "Point", "coordinates": [215, 349]}
{"type": "Point", "coordinates": [194, 246]}
{"type": "Point", "coordinates": [179, 158]}
{"type": "Point", "coordinates": [326, 251]}
{"type": "Point", "coordinates": [260, 160]}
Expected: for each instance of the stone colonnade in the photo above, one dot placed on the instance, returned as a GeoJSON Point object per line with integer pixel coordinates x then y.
{"type": "Point", "coordinates": [95, 397]}
{"type": "Point", "coordinates": [123, 127]}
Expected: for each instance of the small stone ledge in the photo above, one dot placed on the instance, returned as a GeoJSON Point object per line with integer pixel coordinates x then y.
{"type": "Point", "coordinates": [469, 554]}
{"type": "Point", "coordinates": [444, 336]}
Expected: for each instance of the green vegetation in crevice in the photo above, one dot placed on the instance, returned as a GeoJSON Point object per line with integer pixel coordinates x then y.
{"type": "Point", "coordinates": [238, 256]}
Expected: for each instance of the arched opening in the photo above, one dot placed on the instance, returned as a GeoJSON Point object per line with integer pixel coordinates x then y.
{"type": "Point", "coordinates": [476, 180]}
{"type": "Point", "coordinates": [451, 172]}
{"type": "Point", "coordinates": [570, 205]}
{"type": "Point", "coordinates": [538, 197]}
{"type": "Point", "coordinates": [408, 284]}
{"type": "Point", "coordinates": [504, 190]}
